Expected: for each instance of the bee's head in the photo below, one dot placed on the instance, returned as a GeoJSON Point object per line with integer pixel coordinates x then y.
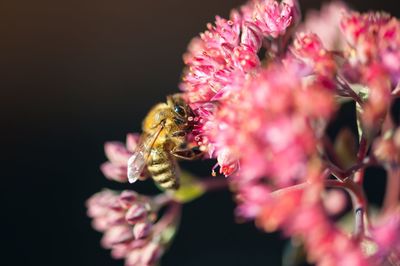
{"type": "Point", "coordinates": [180, 108]}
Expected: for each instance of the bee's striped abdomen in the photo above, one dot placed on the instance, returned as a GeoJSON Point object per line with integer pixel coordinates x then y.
{"type": "Point", "coordinates": [162, 168]}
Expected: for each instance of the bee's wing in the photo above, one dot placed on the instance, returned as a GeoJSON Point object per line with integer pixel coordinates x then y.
{"type": "Point", "coordinates": [137, 162]}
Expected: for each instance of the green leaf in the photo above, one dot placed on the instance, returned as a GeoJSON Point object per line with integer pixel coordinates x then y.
{"type": "Point", "coordinates": [190, 188]}
{"type": "Point", "coordinates": [168, 234]}
{"type": "Point", "coordinates": [294, 253]}
{"type": "Point", "coordinates": [346, 148]}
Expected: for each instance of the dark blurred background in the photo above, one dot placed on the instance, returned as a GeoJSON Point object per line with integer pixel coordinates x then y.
{"type": "Point", "coordinates": [75, 74]}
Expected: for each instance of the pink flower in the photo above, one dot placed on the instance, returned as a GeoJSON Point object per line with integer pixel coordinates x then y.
{"type": "Point", "coordinates": [277, 138]}
{"type": "Point", "coordinates": [216, 60]}
{"type": "Point", "coordinates": [309, 48]}
{"type": "Point", "coordinates": [299, 213]}
{"type": "Point", "coordinates": [225, 56]}
{"type": "Point", "coordinates": [373, 38]}
{"type": "Point", "coordinates": [387, 147]}
{"type": "Point", "coordinates": [227, 161]}
{"type": "Point", "coordinates": [385, 234]}
{"type": "Point", "coordinates": [334, 201]}
{"type": "Point", "coordinates": [147, 255]}
{"type": "Point", "coordinates": [326, 24]}
{"type": "Point", "coordinates": [272, 18]}
{"type": "Point", "coordinates": [251, 199]}
{"type": "Point", "coordinates": [130, 226]}
{"type": "Point", "coordinates": [118, 154]}
{"type": "Point", "coordinates": [377, 105]}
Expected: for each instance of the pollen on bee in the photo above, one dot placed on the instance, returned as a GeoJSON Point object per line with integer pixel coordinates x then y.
{"type": "Point", "coordinates": [190, 118]}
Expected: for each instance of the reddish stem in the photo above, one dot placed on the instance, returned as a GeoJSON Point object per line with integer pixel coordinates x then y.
{"type": "Point", "coordinates": [214, 183]}
{"type": "Point", "coordinates": [392, 193]}
{"type": "Point", "coordinates": [342, 175]}
{"type": "Point", "coordinates": [344, 85]}
{"type": "Point", "coordinates": [291, 188]}
{"type": "Point", "coordinates": [161, 200]}
{"type": "Point", "coordinates": [359, 203]}
{"type": "Point", "coordinates": [362, 152]}
{"type": "Point", "coordinates": [171, 216]}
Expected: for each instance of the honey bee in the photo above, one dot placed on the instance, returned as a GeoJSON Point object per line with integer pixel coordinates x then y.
{"type": "Point", "coordinates": [164, 139]}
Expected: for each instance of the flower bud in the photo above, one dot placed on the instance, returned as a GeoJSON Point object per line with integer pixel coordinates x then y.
{"type": "Point", "coordinates": [227, 161]}
{"type": "Point", "coordinates": [116, 152]}
{"type": "Point", "coordinates": [114, 172]}
{"type": "Point", "coordinates": [127, 198]}
{"type": "Point", "coordinates": [116, 235]}
{"type": "Point", "coordinates": [132, 141]}
{"type": "Point", "coordinates": [142, 229]}
{"type": "Point", "coordinates": [151, 253]}
{"type": "Point", "coordinates": [136, 213]}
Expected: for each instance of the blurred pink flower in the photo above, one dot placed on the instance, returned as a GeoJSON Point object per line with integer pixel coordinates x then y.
{"type": "Point", "coordinates": [308, 48]}
{"type": "Point", "coordinates": [300, 214]}
{"type": "Point", "coordinates": [277, 139]}
{"type": "Point", "coordinates": [326, 24]}
{"type": "Point", "coordinates": [386, 148]}
{"type": "Point", "coordinates": [147, 255]}
{"type": "Point", "coordinates": [334, 201]}
{"type": "Point", "coordinates": [373, 38]}
{"type": "Point", "coordinates": [118, 154]}
{"type": "Point", "coordinates": [130, 226]}
{"type": "Point", "coordinates": [385, 234]}
{"type": "Point", "coordinates": [251, 199]}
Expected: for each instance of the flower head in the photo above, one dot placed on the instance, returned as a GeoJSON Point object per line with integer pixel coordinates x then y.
{"type": "Point", "coordinates": [130, 226]}
{"type": "Point", "coordinates": [326, 24]}
{"type": "Point", "coordinates": [272, 18]}
{"type": "Point", "coordinates": [373, 38]}
{"type": "Point", "coordinates": [118, 155]}
{"type": "Point", "coordinates": [385, 236]}
{"type": "Point", "coordinates": [278, 137]}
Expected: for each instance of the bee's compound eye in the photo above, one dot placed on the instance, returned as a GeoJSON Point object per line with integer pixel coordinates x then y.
{"type": "Point", "coordinates": [179, 110]}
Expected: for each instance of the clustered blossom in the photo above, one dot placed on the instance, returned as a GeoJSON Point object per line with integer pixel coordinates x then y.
{"type": "Point", "coordinates": [326, 24]}
{"type": "Point", "coordinates": [128, 223]}
{"type": "Point", "coordinates": [301, 215]}
{"type": "Point", "coordinates": [385, 234]}
{"type": "Point", "coordinates": [264, 89]}
{"type": "Point", "coordinates": [265, 124]}
{"type": "Point", "coordinates": [225, 55]}
{"type": "Point", "coordinates": [278, 112]}
{"type": "Point", "coordinates": [118, 154]}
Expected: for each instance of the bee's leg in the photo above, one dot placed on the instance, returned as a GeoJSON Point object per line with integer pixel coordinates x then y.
{"type": "Point", "coordinates": [186, 153]}
{"type": "Point", "coordinates": [180, 133]}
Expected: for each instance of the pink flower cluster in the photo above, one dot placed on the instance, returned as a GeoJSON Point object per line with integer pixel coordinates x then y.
{"type": "Point", "coordinates": [226, 54]}
{"type": "Point", "coordinates": [373, 58]}
{"type": "Point", "coordinates": [127, 221]}
{"type": "Point", "coordinates": [118, 155]}
{"type": "Point", "coordinates": [272, 119]}
{"type": "Point", "coordinates": [264, 119]}
{"type": "Point", "coordinates": [301, 215]}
